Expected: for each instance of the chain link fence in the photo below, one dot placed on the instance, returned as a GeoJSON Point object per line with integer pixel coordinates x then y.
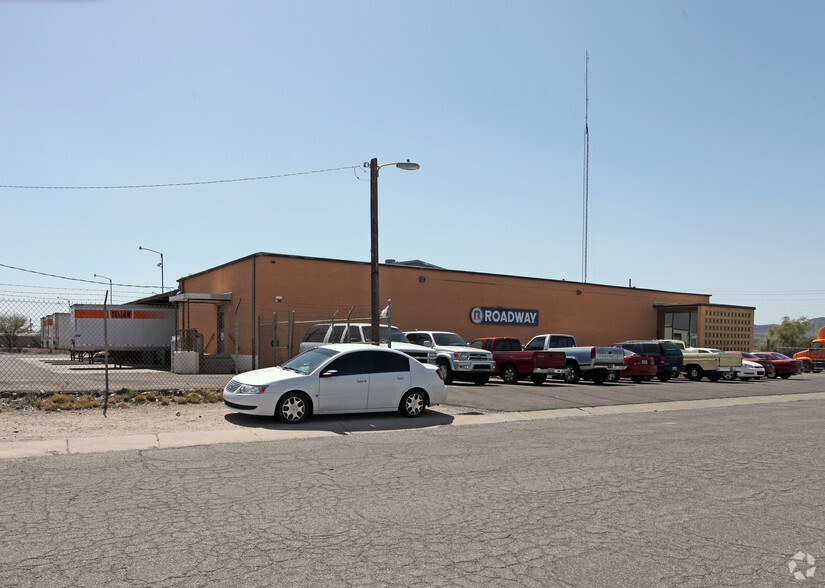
{"type": "Point", "coordinates": [282, 332]}
{"type": "Point", "coordinates": [53, 347]}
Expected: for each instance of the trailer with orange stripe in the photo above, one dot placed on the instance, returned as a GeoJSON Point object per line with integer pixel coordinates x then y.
{"type": "Point", "coordinates": [135, 333]}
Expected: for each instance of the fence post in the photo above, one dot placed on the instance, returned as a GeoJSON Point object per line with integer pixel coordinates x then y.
{"type": "Point", "coordinates": [105, 350]}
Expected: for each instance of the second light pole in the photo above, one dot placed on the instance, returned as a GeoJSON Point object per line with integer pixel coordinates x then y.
{"type": "Point", "coordinates": [160, 265]}
{"type": "Point", "coordinates": [374, 305]}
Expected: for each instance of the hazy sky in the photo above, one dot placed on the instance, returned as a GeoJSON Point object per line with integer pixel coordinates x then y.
{"type": "Point", "coordinates": [706, 119]}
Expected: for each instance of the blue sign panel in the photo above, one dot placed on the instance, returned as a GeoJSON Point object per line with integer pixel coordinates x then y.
{"type": "Point", "coordinates": [483, 315]}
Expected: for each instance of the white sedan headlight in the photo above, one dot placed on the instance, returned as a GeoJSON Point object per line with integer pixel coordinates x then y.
{"type": "Point", "coordinates": [249, 389]}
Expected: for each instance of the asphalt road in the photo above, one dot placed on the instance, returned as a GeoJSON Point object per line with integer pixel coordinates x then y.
{"type": "Point", "coordinates": [553, 394]}
{"type": "Point", "coordinates": [721, 496]}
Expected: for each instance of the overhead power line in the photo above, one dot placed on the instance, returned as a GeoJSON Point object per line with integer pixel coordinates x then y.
{"type": "Point", "coordinates": [171, 185]}
{"type": "Point", "coordinates": [75, 279]}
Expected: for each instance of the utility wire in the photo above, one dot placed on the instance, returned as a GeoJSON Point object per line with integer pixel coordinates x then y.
{"type": "Point", "coordinates": [319, 171]}
{"type": "Point", "coordinates": [77, 279]}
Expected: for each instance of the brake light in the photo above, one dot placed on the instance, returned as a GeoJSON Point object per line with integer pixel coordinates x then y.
{"type": "Point", "coordinates": [440, 375]}
{"type": "Point", "coordinates": [592, 353]}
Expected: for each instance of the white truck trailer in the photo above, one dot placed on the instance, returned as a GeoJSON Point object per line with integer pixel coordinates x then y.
{"type": "Point", "coordinates": [60, 331]}
{"type": "Point", "coordinates": [136, 333]}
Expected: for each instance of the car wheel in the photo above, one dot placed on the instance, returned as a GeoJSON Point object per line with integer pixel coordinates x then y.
{"type": "Point", "coordinates": [538, 379]}
{"type": "Point", "coordinates": [729, 376]}
{"type": "Point", "coordinates": [412, 404]}
{"type": "Point", "coordinates": [293, 407]}
{"type": "Point", "coordinates": [481, 380]}
{"type": "Point", "coordinates": [599, 378]}
{"type": "Point", "coordinates": [573, 374]}
{"type": "Point", "coordinates": [772, 375]}
{"type": "Point", "coordinates": [785, 376]}
{"type": "Point", "coordinates": [613, 376]}
{"type": "Point", "coordinates": [664, 377]}
{"type": "Point", "coordinates": [446, 371]}
{"type": "Point", "coordinates": [509, 374]}
{"type": "Point", "coordinates": [694, 373]}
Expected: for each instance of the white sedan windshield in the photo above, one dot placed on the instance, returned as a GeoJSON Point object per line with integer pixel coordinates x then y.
{"type": "Point", "coordinates": [307, 362]}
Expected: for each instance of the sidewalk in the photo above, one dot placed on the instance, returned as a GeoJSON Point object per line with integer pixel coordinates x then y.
{"type": "Point", "coordinates": [245, 430]}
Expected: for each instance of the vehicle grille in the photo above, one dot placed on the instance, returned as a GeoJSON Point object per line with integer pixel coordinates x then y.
{"type": "Point", "coordinates": [232, 386]}
{"type": "Point", "coordinates": [478, 357]}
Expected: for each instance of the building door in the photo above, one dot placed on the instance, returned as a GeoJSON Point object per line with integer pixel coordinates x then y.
{"type": "Point", "coordinates": [221, 333]}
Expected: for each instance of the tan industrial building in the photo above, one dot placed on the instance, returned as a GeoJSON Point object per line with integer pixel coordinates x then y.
{"type": "Point", "coordinates": [258, 308]}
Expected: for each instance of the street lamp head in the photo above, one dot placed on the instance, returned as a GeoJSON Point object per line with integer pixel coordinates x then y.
{"type": "Point", "coordinates": [408, 165]}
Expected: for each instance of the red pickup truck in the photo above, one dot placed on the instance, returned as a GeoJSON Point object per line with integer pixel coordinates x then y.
{"type": "Point", "coordinates": [513, 364]}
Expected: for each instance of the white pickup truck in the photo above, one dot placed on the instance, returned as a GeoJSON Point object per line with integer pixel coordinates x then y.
{"type": "Point", "coordinates": [586, 363]}
{"type": "Point", "coordinates": [457, 360]}
{"type": "Point", "coordinates": [325, 334]}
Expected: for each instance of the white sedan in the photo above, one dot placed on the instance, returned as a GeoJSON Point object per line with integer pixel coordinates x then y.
{"type": "Point", "coordinates": [343, 378]}
{"type": "Point", "coordinates": [750, 370]}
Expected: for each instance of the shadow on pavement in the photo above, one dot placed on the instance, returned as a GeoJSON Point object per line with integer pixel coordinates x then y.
{"type": "Point", "coordinates": [344, 424]}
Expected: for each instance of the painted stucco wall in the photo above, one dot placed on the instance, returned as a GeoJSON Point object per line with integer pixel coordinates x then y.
{"type": "Point", "coordinates": [421, 299]}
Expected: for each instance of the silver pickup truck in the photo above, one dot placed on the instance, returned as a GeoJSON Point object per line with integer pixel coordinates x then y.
{"type": "Point", "coordinates": [457, 360]}
{"type": "Point", "coordinates": [586, 363]}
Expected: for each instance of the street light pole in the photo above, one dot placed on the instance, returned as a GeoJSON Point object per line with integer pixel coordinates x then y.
{"type": "Point", "coordinates": [374, 305]}
{"type": "Point", "coordinates": [111, 291]}
{"type": "Point", "coordinates": [160, 264]}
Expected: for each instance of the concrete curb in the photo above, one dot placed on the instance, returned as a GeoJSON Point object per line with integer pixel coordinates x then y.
{"type": "Point", "coordinates": [82, 445]}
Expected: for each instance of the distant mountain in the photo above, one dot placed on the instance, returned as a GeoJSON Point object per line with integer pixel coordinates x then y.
{"type": "Point", "coordinates": [760, 331]}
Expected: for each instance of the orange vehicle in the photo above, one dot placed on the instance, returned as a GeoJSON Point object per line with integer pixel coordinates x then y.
{"type": "Point", "coordinates": [813, 358]}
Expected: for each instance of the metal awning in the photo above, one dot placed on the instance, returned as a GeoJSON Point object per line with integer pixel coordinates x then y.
{"type": "Point", "coordinates": [199, 297]}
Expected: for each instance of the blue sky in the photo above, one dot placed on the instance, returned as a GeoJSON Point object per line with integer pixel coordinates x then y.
{"type": "Point", "coordinates": [706, 118]}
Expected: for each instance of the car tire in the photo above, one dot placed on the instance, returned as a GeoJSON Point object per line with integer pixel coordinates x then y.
{"type": "Point", "coordinates": [729, 376]}
{"type": "Point", "coordinates": [481, 379]}
{"type": "Point", "coordinates": [446, 371]}
{"type": "Point", "coordinates": [664, 377]}
{"type": "Point", "coordinates": [412, 403]}
{"type": "Point", "coordinates": [773, 375]}
{"type": "Point", "coordinates": [599, 378]}
{"type": "Point", "coordinates": [613, 376]}
{"type": "Point", "coordinates": [538, 379]}
{"type": "Point", "coordinates": [509, 374]}
{"type": "Point", "coordinates": [292, 407]}
{"type": "Point", "coordinates": [784, 376]}
{"type": "Point", "coordinates": [694, 373]}
{"type": "Point", "coordinates": [715, 376]}
{"type": "Point", "coordinates": [637, 379]}
{"type": "Point", "coordinates": [572, 374]}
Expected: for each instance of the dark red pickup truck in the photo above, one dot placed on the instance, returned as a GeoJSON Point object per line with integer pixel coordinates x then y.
{"type": "Point", "coordinates": [513, 364]}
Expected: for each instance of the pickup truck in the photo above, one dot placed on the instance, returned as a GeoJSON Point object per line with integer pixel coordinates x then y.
{"type": "Point", "coordinates": [588, 363]}
{"type": "Point", "coordinates": [457, 360]}
{"type": "Point", "coordinates": [514, 364]}
{"type": "Point", "coordinates": [326, 333]}
{"type": "Point", "coordinates": [713, 364]}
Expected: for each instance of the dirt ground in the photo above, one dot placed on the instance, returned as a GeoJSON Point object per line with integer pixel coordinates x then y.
{"type": "Point", "coordinates": [30, 424]}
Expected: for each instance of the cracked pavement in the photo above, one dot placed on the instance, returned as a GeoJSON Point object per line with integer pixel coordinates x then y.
{"type": "Point", "coordinates": [718, 496]}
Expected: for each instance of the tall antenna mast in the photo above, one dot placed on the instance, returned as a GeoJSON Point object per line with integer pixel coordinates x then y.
{"type": "Point", "coordinates": [586, 188]}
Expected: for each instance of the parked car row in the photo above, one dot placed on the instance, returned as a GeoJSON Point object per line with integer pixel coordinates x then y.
{"type": "Point", "coordinates": [339, 371]}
